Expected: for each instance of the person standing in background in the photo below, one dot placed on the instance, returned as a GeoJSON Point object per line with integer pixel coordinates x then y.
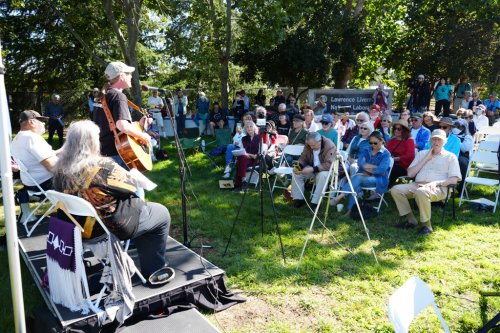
{"type": "Point", "coordinates": [155, 104]}
{"type": "Point", "coordinates": [54, 111]}
{"type": "Point", "coordinates": [442, 95]}
{"type": "Point", "coordinates": [380, 97]}
{"type": "Point", "coordinates": [180, 109]}
{"type": "Point", "coordinates": [460, 90]}
{"type": "Point", "coordinates": [94, 94]}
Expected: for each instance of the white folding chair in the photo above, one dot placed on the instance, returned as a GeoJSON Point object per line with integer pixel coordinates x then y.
{"type": "Point", "coordinates": [485, 132]}
{"type": "Point", "coordinates": [391, 164]}
{"type": "Point", "coordinates": [80, 207]}
{"type": "Point", "coordinates": [408, 301]}
{"type": "Point", "coordinates": [496, 125]}
{"type": "Point", "coordinates": [285, 170]}
{"type": "Point", "coordinates": [487, 158]}
{"type": "Point", "coordinates": [38, 194]}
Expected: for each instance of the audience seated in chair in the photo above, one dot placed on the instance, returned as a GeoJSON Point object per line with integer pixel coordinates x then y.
{"type": "Point", "coordinates": [315, 162]}
{"type": "Point", "coordinates": [433, 169]}
{"type": "Point", "coordinates": [251, 144]}
{"type": "Point", "coordinates": [461, 131]}
{"type": "Point", "coordinates": [374, 164]}
{"type": "Point", "coordinates": [452, 142]}
{"type": "Point", "coordinates": [402, 149]}
{"type": "Point", "coordinates": [327, 129]}
{"type": "Point", "coordinates": [420, 134]}
{"type": "Point", "coordinates": [36, 154]}
{"type": "Point", "coordinates": [233, 146]}
{"type": "Point", "coordinates": [359, 143]}
{"type": "Point", "coordinates": [216, 118]}
{"type": "Point", "coordinates": [83, 172]}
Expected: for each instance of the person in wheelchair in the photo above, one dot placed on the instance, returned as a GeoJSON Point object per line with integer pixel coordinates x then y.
{"type": "Point", "coordinates": [82, 171]}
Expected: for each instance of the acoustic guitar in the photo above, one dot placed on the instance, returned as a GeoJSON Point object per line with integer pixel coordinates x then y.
{"type": "Point", "coordinates": [136, 155]}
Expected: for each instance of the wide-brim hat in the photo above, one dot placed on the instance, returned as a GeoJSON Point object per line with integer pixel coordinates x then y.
{"type": "Point", "coordinates": [447, 121]}
{"type": "Point", "coordinates": [417, 116]}
{"type": "Point", "coordinates": [403, 123]}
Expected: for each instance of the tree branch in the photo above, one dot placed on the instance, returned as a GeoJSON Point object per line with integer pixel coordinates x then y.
{"type": "Point", "coordinates": [359, 7]}
{"type": "Point", "coordinates": [77, 36]}
{"type": "Point", "coordinates": [348, 7]}
{"type": "Point", "coordinates": [108, 9]}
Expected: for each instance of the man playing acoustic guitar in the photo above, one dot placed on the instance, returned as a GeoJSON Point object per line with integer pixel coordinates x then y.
{"type": "Point", "coordinates": [119, 76]}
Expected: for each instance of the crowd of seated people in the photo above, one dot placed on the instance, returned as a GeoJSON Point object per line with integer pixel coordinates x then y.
{"type": "Point", "coordinates": [369, 142]}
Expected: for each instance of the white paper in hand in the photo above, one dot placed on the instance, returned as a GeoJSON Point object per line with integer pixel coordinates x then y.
{"type": "Point", "coordinates": [239, 152]}
{"type": "Point", "coordinates": [142, 181]}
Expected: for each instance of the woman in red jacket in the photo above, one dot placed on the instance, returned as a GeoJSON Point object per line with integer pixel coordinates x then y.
{"type": "Point", "coordinates": [402, 149]}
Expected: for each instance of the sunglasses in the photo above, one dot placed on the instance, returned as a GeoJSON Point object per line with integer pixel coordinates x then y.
{"type": "Point", "coordinates": [405, 114]}
{"type": "Point", "coordinates": [364, 128]}
{"type": "Point", "coordinates": [398, 128]}
{"type": "Point", "coordinates": [386, 121]}
{"type": "Point", "coordinates": [444, 127]}
{"type": "Point", "coordinates": [373, 143]}
{"type": "Point", "coordinates": [360, 121]}
{"type": "Point", "coordinates": [324, 123]}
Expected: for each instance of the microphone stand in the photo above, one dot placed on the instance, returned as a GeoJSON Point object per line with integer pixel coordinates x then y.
{"type": "Point", "coordinates": [184, 169]}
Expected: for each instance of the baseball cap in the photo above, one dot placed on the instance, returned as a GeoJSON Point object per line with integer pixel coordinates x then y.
{"type": "Point", "coordinates": [30, 114]}
{"type": "Point", "coordinates": [417, 116]}
{"type": "Point", "coordinates": [116, 68]}
{"type": "Point", "coordinates": [460, 123]}
{"type": "Point", "coordinates": [327, 118]}
{"type": "Point", "coordinates": [421, 76]}
{"type": "Point", "coordinates": [439, 133]}
{"type": "Point", "coordinates": [299, 117]}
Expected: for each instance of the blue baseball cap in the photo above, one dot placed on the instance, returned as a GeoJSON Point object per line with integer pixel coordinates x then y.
{"type": "Point", "coordinates": [327, 118]}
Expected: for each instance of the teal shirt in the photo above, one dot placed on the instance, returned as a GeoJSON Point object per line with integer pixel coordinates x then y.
{"type": "Point", "coordinates": [452, 145]}
{"type": "Point", "coordinates": [442, 92]}
{"type": "Point", "coordinates": [332, 135]}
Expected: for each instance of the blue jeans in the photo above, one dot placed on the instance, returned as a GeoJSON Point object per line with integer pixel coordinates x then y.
{"type": "Point", "coordinates": [151, 236]}
{"type": "Point", "coordinates": [140, 191]}
{"type": "Point", "coordinates": [419, 109]}
{"type": "Point", "coordinates": [181, 124]}
{"type": "Point", "coordinates": [229, 152]}
{"type": "Point", "coordinates": [358, 182]}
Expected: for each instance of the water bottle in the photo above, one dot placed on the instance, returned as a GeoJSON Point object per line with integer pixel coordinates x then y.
{"type": "Point", "coordinates": [203, 145]}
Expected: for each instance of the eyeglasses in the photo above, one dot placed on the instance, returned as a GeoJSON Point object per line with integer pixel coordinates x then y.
{"type": "Point", "coordinates": [415, 120]}
{"type": "Point", "coordinates": [364, 128]}
{"type": "Point", "coordinates": [444, 127]}
{"type": "Point", "coordinates": [398, 129]}
{"type": "Point", "coordinates": [386, 121]}
{"type": "Point", "coordinates": [360, 121]}
{"type": "Point", "coordinates": [373, 143]}
{"type": "Point", "coordinates": [405, 114]}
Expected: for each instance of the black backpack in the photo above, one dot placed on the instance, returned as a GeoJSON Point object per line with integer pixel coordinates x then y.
{"type": "Point", "coordinates": [366, 209]}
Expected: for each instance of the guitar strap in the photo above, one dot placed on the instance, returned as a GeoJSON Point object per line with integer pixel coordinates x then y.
{"type": "Point", "coordinates": [109, 117]}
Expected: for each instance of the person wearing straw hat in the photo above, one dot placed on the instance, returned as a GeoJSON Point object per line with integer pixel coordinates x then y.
{"type": "Point", "coordinates": [402, 149]}
{"type": "Point", "coordinates": [452, 143]}
{"type": "Point", "coordinates": [419, 133]}
{"type": "Point", "coordinates": [433, 169]}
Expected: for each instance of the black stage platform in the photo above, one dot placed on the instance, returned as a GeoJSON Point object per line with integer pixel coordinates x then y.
{"type": "Point", "coordinates": [195, 282]}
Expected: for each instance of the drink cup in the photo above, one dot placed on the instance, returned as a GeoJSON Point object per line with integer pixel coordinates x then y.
{"type": "Point", "coordinates": [340, 207]}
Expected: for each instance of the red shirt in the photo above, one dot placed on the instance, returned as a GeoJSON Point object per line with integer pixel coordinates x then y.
{"type": "Point", "coordinates": [405, 149]}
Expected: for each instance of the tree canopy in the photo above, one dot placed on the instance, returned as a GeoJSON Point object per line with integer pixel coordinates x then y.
{"type": "Point", "coordinates": [218, 46]}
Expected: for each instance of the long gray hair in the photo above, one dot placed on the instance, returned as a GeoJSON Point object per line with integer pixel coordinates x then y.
{"type": "Point", "coordinates": [80, 152]}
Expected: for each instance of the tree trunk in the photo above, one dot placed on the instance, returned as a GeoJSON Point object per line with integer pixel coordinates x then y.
{"type": "Point", "coordinates": [224, 75]}
{"type": "Point", "coordinates": [342, 76]}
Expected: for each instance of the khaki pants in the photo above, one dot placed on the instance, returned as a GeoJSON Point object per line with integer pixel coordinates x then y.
{"type": "Point", "coordinates": [298, 185]}
{"type": "Point", "coordinates": [423, 197]}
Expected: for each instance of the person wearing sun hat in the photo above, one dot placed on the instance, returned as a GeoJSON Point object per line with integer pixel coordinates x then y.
{"type": "Point", "coordinates": [453, 142]}
{"type": "Point", "coordinates": [419, 133]}
{"type": "Point", "coordinates": [402, 149]}
{"type": "Point", "coordinates": [433, 169]}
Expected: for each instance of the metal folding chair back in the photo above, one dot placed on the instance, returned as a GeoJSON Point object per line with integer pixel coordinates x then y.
{"type": "Point", "coordinates": [295, 150]}
{"type": "Point", "coordinates": [391, 164]}
{"type": "Point", "coordinates": [40, 193]}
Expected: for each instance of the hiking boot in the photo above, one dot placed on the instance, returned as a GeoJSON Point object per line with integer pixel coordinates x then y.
{"type": "Point", "coordinates": [425, 231]}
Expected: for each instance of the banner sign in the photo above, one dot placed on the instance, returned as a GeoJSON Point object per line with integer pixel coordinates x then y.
{"type": "Point", "coordinates": [351, 100]}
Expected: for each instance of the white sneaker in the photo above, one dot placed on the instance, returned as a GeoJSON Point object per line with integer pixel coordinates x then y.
{"type": "Point", "coordinates": [226, 175]}
{"type": "Point", "coordinates": [227, 169]}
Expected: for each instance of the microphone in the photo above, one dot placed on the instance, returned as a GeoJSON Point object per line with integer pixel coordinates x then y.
{"type": "Point", "coordinates": [145, 87]}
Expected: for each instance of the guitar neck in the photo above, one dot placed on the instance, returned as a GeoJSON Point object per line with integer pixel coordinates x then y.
{"type": "Point", "coordinates": [135, 107]}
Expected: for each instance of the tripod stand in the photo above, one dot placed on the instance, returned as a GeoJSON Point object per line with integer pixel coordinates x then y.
{"type": "Point", "coordinates": [259, 162]}
{"type": "Point", "coordinates": [334, 189]}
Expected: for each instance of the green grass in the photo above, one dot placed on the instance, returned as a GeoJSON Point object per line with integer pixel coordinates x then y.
{"type": "Point", "coordinates": [334, 291]}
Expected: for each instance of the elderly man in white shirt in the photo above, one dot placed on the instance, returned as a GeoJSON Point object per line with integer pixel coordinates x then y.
{"type": "Point", "coordinates": [433, 169]}
{"type": "Point", "coordinates": [155, 104]}
{"type": "Point", "coordinates": [36, 154]}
